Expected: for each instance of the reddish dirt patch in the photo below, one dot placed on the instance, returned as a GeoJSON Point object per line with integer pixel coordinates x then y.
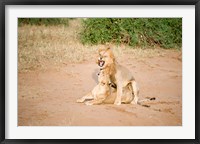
{"type": "Point", "coordinates": [48, 98]}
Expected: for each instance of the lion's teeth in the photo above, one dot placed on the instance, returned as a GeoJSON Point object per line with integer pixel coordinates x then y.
{"type": "Point", "coordinates": [101, 63]}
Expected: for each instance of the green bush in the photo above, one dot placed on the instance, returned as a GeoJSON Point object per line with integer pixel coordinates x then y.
{"type": "Point", "coordinates": [43, 21]}
{"type": "Point", "coordinates": [143, 32]}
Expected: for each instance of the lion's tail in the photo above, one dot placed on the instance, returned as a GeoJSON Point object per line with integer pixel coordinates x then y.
{"type": "Point", "coordinates": [146, 99]}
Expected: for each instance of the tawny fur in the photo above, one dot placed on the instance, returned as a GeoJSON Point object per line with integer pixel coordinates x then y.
{"type": "Point", "coordinates": [104, 93]}
{"type": "Point", "coordinates": [118, 74]}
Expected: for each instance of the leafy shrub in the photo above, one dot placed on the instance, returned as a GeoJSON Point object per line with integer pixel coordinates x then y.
{"type": "Point", "coordinates": [43, 21]}
{"type": "Point", "coordinates": [165, 32]}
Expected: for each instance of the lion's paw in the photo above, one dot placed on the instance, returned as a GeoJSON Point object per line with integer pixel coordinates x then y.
{"type": "Point", "coordinates": [89, 103]}
{"type": "Point", "coordinates": [80, 100]}
{"type": "Point", "coordinates": [117, 103]}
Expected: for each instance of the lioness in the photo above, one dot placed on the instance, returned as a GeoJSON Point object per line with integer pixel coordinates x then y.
{"type": "Point", "coordinates": [99, 92]}
{"type": "Point", "coordinates": [119, 75]}
{"type": "Point", "coordinates": [105, 93]}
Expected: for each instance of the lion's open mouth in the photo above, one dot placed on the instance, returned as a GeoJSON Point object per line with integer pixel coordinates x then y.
{"type": "Point", "coordinates": [101, 63]}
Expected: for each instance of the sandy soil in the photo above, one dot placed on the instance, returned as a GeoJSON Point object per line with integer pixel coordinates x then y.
{"type": "Point", "coordinates": [48, 98]}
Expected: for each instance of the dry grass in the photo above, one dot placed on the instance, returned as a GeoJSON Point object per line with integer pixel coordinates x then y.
{"type": "Point", "coordinates": [40, 47]}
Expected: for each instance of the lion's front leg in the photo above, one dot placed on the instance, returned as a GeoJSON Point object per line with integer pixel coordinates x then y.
{"type": "Point", "coordinates": [95, 102]}
{"type": "Point", "coordinates": [86, 97]}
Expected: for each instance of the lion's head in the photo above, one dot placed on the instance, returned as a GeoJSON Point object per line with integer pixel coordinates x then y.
{"type": "Point", "coordinates": [103, 78]}
{"type": "Point", "coordinates": [106, 57]}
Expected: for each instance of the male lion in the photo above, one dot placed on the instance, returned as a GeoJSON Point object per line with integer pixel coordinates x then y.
{"type": "Point", "coordinates": [119, 75]}
{"type": "Point", "coordinates": [105, 93]}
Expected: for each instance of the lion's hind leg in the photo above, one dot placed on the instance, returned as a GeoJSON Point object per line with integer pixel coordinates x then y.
{"type": "Point", "coordinates": [135, 89]}
{"type": "Point", "coordinates": [89, 96]}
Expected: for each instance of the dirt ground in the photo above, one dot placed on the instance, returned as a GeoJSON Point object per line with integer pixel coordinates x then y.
{"type": "Point", "coordinates": [48, 98]}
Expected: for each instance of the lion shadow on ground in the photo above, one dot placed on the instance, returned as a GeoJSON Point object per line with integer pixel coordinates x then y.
{"type": "Point", "coordinates": [95, 75]}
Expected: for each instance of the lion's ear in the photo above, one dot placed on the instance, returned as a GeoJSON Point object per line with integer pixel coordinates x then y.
{"type": "Point", "coordinates": [108, 47]}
